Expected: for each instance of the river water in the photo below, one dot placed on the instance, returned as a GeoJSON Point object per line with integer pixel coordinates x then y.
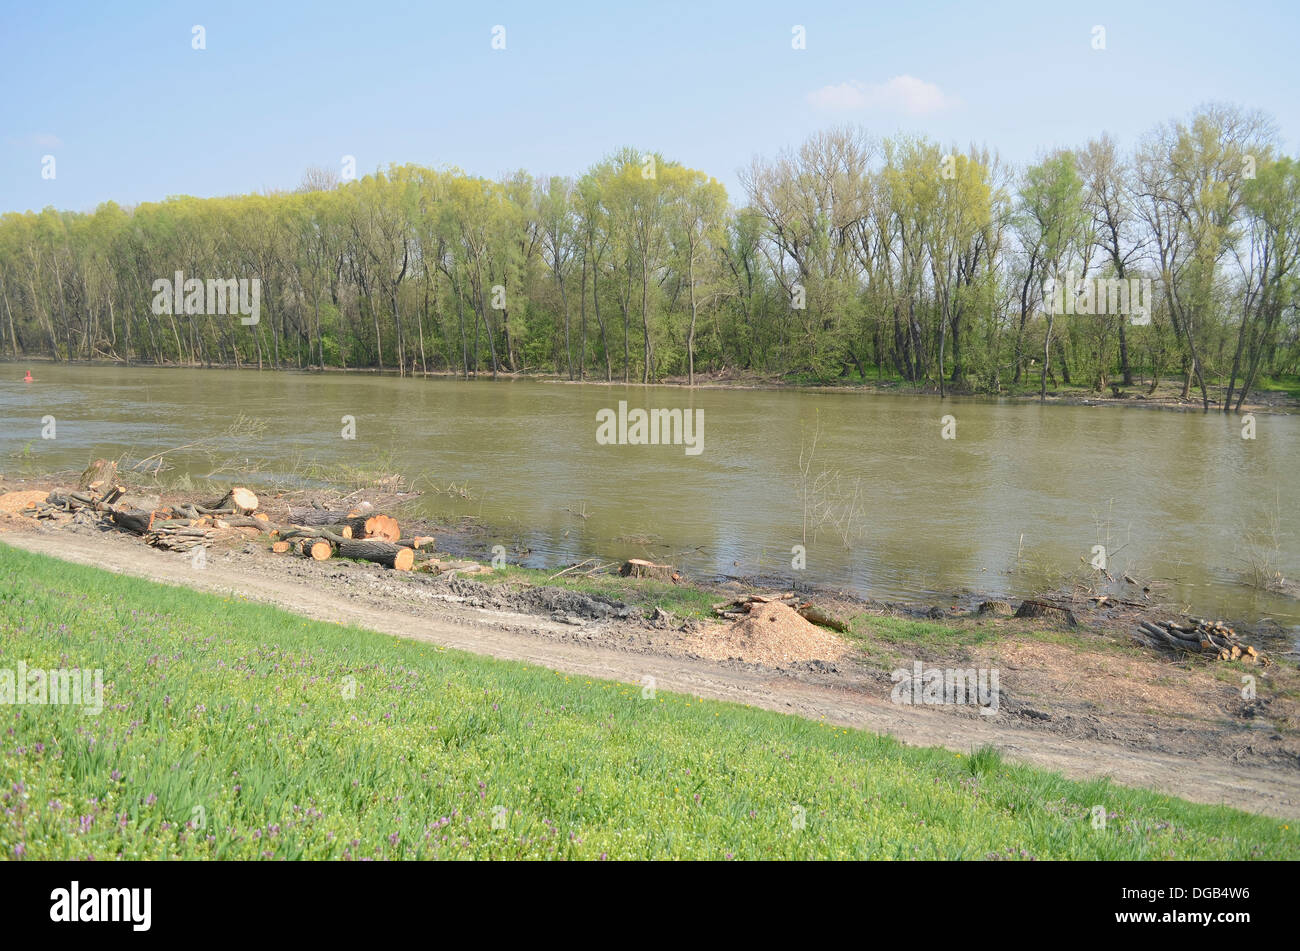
{"type": "Point", "coordinates": [1016, 502]}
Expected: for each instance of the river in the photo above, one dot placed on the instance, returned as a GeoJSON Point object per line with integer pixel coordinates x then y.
{"type": "Point", "coordinates": [1016, 502]}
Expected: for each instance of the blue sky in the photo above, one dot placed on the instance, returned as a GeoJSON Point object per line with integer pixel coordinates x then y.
{"type": "Point", "coordinates": [131, 112]}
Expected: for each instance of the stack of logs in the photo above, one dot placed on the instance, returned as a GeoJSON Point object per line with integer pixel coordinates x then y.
{"type": "Point", "coordinates": [182, 527]}
{"type": "Point", "coordinates": [1211, 639]}
{"type": "Point", "coordinates": [732, 610]}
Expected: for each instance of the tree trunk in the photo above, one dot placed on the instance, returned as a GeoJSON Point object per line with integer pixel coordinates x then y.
{"type": "Point", "coordinates": [380, 552]}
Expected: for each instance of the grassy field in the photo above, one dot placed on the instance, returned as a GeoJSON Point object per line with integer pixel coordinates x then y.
{"type": "Point", "coordinates": [233, 730]}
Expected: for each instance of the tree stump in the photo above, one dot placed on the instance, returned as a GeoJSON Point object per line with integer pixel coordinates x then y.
{"type": "Point", "coordinates": [239, 499]}
{"type": "Point", "coordinates": [638, 568]}
{"type": "Point", "coordinates": [1034, 608]}
{"type": "Point", "coordinates": [100, 476]}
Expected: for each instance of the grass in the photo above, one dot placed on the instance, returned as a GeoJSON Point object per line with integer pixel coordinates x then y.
{"type": "Point", "coordinates": [923, 635]}
{"type": "Point", "coordinates": [235, 730]}
{"type": "Point", "coordinates": [1290, 385]}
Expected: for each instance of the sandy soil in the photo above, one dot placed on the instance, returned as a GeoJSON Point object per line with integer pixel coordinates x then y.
{"type": "Point", "coordinates": [1141, 720]}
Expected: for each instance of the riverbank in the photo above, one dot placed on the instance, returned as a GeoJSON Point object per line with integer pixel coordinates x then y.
{"type": "Point", "coordinates": [1084, 698]}
{"type": "Point", "coordinates": [321, 741]}
{"type": "Point", "coordinates": [1283, 398]}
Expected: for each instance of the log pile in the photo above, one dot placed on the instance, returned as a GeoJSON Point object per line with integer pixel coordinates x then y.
{"type": "Point", "coordinates": [733, 610]}
{"type": "Point", "coordinates": [320, 542]}
{"type": "Point", "coordinates": [180, 530]}
{"type": "Point", "coordinates": [1212, 639]}
{"type": "Point", "coordinates": [364, 536]}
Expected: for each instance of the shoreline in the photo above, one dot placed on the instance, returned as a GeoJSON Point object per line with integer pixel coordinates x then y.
{"type": "Point", "coordinates": [1112, 608]}
{"type": "Point", "coordinates": [1085, 699]}
{"type": "Point", "coordinates": [1276, 402]}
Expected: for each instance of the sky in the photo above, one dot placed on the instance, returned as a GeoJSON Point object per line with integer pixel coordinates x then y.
{"type": "Point", "coordinates": [131, 112]}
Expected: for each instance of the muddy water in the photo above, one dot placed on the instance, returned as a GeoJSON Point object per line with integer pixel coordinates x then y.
{"type": "Point", "coordinates": [1019, 500]}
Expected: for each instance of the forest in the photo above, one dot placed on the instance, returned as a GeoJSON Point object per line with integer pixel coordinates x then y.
{"type": "Point", "coordinates": [848, 259]}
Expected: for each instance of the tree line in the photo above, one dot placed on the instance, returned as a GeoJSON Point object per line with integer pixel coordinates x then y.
{"type": "Point", "coordinates": [852, 258]}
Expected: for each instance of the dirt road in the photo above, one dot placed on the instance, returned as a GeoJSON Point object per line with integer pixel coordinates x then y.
{"type": "Point", "coordinates": [1208, 779]}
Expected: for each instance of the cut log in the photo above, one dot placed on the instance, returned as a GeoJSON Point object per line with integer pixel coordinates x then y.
{"type": "Point", "coordinates": [380, 552]}
{"type": "Point", "coordinates": [319, 549]}
{"type": "Point", "coordinates": [818, 616]}
{"type": "Point", "coordinates": [280, 547]}
{"type": "Point", "coordinates": [315, 516]}
{"type": "Point", "coordinates": [240, 500]}
{"type": "Point", "coordinates": [382, 527]}
{"type": "Point", "coordinates": [246, 521]}
{"type": "Point", "coordinates": [637, 568]}
{"type": "Point", "coordinates": [138, 521]}
{"type": "Point", "coordinates": [417, 542]}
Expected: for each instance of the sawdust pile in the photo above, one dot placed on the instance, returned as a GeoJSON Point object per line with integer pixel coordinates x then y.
{"type": "Point", "coordinates": [772, 634]}
{"type": "Point", "coordinates": [14, 502]}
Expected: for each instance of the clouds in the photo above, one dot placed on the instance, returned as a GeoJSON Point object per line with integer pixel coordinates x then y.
{"type": "Point", "coordinates": [902, 94]}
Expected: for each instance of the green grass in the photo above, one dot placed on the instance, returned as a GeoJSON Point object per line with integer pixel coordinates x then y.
{"type": "Point", "coordinates": [238, 717]}
{"type": "Point", "coordinates": [923, 635]}
{"type": "Point", "coordinates": [1290, 385]}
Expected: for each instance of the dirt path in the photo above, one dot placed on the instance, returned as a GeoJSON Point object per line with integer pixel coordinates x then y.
{"type": "Point", "coordinates": [1207, 779]}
